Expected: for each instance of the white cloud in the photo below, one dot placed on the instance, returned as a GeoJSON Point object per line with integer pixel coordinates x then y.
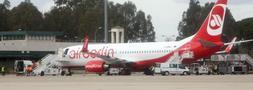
{"type": "Point", "coordinates": [42, 5]}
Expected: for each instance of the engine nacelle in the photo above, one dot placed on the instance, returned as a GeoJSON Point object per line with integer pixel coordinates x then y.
{"type": "Point", "coordinates": [96, 66]}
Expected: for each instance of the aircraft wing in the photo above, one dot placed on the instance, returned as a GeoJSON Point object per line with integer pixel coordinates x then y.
{"type": "Point", "coordinates": [111, 60]}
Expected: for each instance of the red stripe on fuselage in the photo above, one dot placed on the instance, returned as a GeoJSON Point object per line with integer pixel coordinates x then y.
{"type": "Point", "coordinates": [196, 47]}
{"type": "Point", "coordinates": [140, 65]}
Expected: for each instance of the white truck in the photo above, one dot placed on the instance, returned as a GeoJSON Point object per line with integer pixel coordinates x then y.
{"type": "Point", "coordinates": [21, 65]}
{"type": "Point", "coordinates": [171, 68]}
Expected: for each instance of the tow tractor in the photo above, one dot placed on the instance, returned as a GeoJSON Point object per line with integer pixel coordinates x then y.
{"type": "Point", "coordinates": [198, 69]}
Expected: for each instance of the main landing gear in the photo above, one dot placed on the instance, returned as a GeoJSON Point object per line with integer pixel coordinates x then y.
{"type": "Point", "coordinates": [149, 71]}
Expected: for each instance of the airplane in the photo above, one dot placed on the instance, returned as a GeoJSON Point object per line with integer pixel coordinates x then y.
{"type": "Point", "coordinates": [138, 57]}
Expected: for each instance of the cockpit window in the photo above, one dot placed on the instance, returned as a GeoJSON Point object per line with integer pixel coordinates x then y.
{"type": "Point", "coordinates": [65, 52]}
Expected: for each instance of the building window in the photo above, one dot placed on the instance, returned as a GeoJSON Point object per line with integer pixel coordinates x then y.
{"type": "Point", "coordinates": [14, 37]}
{"type": "Point", "coordinates": [120, 35]}
{"type": "Point", "coordinates": [48, 37]}
{"type": "Point", "coordinates": [33, 37]}
{"type": "Point", "coordinates": [38, 37]}
{"type": "Point", "coordinates": [30, 37]}
{"type": "Point", "coordinates": [44, 37]}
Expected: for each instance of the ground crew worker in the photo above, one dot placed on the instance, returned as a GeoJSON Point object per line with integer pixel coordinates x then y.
{"type": "Point", "coordinates": [29, 70]}
{"type": "Point", "coordinates": [3, 70]}
{"type": "Point", "coordinates": [26, 71]}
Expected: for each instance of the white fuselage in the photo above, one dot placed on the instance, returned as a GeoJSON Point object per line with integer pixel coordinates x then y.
{"type": "Point", "coordinates": [131, 52]}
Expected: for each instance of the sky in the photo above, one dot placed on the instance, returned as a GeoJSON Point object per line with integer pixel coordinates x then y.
{"type": "Point", "coordinates": [166, 14]}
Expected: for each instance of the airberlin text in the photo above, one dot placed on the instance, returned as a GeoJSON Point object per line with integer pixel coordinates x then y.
{"type": "Point", "coordinates": [105, 51]}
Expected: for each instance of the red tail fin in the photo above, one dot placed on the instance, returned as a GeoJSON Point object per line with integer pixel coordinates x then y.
{"type": "Point", "coordinates": [85, 44]}
{"type": "Point", "coordinates": [211, 29]}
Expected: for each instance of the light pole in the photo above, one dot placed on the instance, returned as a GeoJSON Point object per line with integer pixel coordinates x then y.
{"type": "Point", "coordinates": [106, 20]}
{"type": "Point", "coordinates": [99, 28]}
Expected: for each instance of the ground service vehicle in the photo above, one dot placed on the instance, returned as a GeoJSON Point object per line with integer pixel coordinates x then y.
{"type": "Point", "coordinates": [198, 69]}
{"type": "Point", "coordinates": [21, 65]}
{"type": "Point", "coordinates": [238, 69]}
{"type": "Point", "coordinates": [173, 69]}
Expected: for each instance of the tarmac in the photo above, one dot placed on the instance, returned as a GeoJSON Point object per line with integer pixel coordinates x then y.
{"type": "Point", "coordinates": [135, 82]}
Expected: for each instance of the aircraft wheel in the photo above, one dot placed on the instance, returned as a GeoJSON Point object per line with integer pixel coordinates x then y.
{"type": "Point", "coordinates": [185, 73]}
{"type": "Point", "coordinates": [148, 72]}
{"type": "Point", "coordinates": [63, 73]}
{"type": "Point", "coordinates": [42, 73]}
{"type": "Point", "coordinates": [100, 74]}
{"type": "Point", "coordinates": [167, 73]}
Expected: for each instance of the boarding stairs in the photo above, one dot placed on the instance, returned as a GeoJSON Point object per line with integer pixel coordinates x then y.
{"type": "Point", "coordinates": [47, 64]}
{"type": "Point", "coordinates": [247, 58]}
{"type": "Point", "coordinates": [233, 57]}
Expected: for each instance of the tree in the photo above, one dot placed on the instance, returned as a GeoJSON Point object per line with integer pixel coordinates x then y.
{"type": "Point", "coordinates": [141, 28]}
{"type": "Point", "coordinates": [138, 28]}
{"type": "Point", "coordinates": [26, 17]}
{"type": "Point", "coordinates": [123, 15]}
{"type": "Point", "coordinates": [87, 16]}
{"type": "Point", "coordinates": [92, 18]}
{"type": "Point", "coordinates": [150, 35]}
{"type": "Point", "coordinates": [7, 4]}
{"type": "Point", "coordinates": [190, 20]}
{"type": "Point", "coordinates": [4, 15]}
{"type": "Point", "coordinates": [245, 28]}
{"type": "Point", "coordinates": [60, 19]}
{"type": "Point", "coordinates": [82, 16]}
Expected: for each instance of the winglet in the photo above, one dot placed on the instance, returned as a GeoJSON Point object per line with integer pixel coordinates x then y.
{"type": "Point", "coordinates": [85, 44]}
{"type": "Point", "coordinates": [230, 46]}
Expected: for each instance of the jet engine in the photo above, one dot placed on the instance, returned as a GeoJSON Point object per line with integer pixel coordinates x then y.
{"type": "Point", "coordinates": [96, 66]}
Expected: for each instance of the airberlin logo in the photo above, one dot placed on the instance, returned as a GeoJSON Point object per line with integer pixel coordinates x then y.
{"type": "Point", "coordinates": [216, 20]}
{"type": "Point", "coordinates": [105, 51]}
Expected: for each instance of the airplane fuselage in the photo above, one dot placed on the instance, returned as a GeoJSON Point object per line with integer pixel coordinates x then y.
{"type": "Point", "coordinates": [142, 55]}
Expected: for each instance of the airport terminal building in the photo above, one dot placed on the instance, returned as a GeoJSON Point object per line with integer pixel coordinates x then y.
{"type": "Point", "coordinates": [29, 45]}
{"type": "Point", "coordinates": [34, 45]}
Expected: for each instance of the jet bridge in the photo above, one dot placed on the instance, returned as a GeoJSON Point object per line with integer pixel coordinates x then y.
{"type": "Point", "coordinates": [247, 58]}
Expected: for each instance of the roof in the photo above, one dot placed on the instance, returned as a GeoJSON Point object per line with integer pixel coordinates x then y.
{"type": "Point", "coordinates": [30, 33]}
